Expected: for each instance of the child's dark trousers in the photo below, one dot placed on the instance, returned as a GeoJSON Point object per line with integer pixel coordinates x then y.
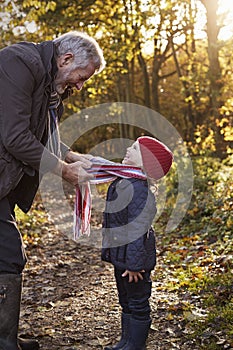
{"type": "Point", "coordinates": [134, 296]}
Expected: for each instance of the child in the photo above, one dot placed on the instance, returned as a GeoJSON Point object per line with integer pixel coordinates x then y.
{"type": "Point", "coordinates": [129, 241]}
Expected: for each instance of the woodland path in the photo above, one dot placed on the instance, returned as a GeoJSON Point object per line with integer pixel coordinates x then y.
{"type": "Point", "coordinates": [69, 299]}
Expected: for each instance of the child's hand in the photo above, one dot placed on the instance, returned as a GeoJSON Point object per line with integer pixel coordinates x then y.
{"type": "Point", "coordinates": [133, 276]}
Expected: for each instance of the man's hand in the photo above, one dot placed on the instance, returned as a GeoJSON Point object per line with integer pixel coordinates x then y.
{"type": "Point", "coordinates": [133, 276]}
{"type": "Point", "coordinates": [74, 173]}
{"type": "Point", "coordinates": [72, 157]}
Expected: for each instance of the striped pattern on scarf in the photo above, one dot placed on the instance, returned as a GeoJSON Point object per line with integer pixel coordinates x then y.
{"type": "Point", "coordinates": [104, 171]}
{"type": "Point", "coordinates": [53, 131]}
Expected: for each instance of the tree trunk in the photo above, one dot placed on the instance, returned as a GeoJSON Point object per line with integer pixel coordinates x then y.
{"type": "Point", "coordinates": [155, 83]}
{"type": "Point", "coordinates": [146, 80]}
{"type": "Point", "coordinates": [215, 73]}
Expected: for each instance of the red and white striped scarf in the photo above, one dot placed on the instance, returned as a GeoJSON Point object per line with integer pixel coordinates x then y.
{"type": "Point", "coordinates": [104, 171]}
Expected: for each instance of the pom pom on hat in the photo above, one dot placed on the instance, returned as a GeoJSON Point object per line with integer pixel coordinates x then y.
{"type": "Point", "coordinates": [156, 157]}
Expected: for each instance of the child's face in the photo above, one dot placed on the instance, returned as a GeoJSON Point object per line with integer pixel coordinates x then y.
{"type": "Point", "coordinates": [133, 155]}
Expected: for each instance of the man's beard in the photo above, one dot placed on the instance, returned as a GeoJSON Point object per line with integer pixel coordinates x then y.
{"type": "Point", "coordinates": [59, 83]}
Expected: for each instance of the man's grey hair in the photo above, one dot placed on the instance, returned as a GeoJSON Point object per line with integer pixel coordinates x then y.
{"type": "Point", "coordinates": [85, 49]}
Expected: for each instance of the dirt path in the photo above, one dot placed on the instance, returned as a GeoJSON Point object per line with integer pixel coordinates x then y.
{"type": "Point", "coordinates": [70, 300]}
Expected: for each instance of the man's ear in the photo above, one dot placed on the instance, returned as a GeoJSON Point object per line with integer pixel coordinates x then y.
{"type": "Point", "coordinates": [65, 59]}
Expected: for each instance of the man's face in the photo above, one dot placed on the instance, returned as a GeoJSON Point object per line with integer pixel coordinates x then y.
{"type": "Point", "coordinates": [68, 75]}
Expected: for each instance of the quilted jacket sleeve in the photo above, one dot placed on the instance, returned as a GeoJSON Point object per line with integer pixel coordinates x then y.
{"type": "Point", "coordinates": [141, 209]}
{"type": "Point", "coordinates": [141, 254]}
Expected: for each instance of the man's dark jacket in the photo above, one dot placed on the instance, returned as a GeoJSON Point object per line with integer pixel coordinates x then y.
{"type": "Point", "coordinates": [26, 76]}
{"type": "Point", "coordinates": [128, 239]}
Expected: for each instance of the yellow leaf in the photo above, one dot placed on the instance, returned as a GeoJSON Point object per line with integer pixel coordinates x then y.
{"type": "Point", "coordinates": [170, 317]}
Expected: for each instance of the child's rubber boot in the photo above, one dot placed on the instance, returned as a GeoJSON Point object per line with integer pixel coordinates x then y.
{"type": "Point", "coordinates": [138, 333]}
{"type": "Point", "coordinates": [125, 322]}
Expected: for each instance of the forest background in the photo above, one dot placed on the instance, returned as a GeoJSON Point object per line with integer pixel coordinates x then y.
{"type": "Point", "coordinates": [174, 57]}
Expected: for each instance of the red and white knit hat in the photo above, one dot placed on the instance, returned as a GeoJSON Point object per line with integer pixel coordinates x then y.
{"type": "Point", "coordinates": [156, 157]}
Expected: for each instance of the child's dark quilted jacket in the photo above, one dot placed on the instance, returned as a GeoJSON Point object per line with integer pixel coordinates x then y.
{"type": "Point", "coordinates": [128, 239]}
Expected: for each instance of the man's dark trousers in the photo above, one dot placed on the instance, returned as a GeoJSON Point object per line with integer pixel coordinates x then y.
{"type": "Point", "coordinates": [12, 254]}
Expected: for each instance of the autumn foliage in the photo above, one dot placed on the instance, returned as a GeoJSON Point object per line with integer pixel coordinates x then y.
{"type": "Point", "coordinates": [157, 58]}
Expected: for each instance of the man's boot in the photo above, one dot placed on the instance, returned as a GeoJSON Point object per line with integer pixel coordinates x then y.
{"type": "Point", "coordinates": [28, 344]}
{"type": "Point", "coordinates": [10, 297]}
{"type": "Point", "coordinates": [138, 333]}
{"type": "Point", "coordinates": [125, 321]}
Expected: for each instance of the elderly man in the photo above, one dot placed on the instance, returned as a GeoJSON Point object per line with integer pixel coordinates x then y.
{"type": "Point", "coordinates": [34, 79]}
